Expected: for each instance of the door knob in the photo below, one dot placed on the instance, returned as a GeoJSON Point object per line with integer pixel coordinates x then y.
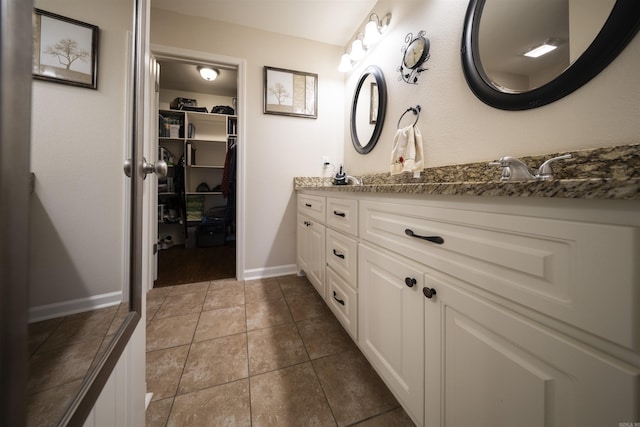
{"type": "Point", "coordinates": [127, 168]}
{"type": "Point", "coordinates": [160, 168]}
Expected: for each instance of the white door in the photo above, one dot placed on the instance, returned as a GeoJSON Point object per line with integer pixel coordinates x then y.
{"type": "Point", "coordinates": [487, 366]}
{"type": "Point", "coordinates": [151, 148]}
{"type": "Point", "coordinates": [77, 209]}
{"type": "Point", "coordinates": [390, 324]}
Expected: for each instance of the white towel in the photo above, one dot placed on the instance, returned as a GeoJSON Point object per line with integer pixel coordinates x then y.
{"type": "Point", "coordinates": [407, 154]}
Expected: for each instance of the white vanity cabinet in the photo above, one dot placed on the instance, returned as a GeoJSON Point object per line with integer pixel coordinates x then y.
{"type": "Point", "coordinates": [494, 311]}
{"type": "Point", "coordinates": [342, 261]}
{"type": "Point", "coordinates": [310, 237]}
{"type": "Point", "coordinates": [529, 310]}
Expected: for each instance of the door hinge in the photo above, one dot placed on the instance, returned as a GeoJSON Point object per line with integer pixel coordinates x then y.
{"type": "Point", "coordinates": [155, 248]}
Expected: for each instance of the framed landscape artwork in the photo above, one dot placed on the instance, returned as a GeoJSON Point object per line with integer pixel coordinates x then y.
{"type": "Point", "coordinates": [64, 50]}
{"type": "Point", "coordinates": [290, 93]}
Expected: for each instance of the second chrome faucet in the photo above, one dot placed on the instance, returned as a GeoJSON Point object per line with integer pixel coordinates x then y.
{"type": "Point", "coordinates": [513, 169]}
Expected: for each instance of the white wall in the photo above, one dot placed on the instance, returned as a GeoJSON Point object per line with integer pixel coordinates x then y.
{"type": "Point", "coordinates": [277, 147]}
{"type": "Point", "coordinates": [77, 152]}
{"type": "Point", "coordinates": [459, 128]}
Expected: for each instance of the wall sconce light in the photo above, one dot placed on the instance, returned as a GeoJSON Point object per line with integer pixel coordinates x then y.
{"type": "Point", "coordinates": [345, 63]}
{"type": "Point", "coordinates": [357, 49]}
{"type": "Point", "coordinates": [375, 28]}
{"type": "Point", "coordinates": [372, 33]}
{"type": "Point", "coordinates": [208, 73]}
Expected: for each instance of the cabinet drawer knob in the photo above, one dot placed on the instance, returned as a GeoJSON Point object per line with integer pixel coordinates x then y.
{"type": "Point", "coordinates": [342, 214]}
{"type": "Point", "coordinates": [339, 255]}
{"type": "Point", "coordinates": [433, 239]}
{"type": "Point", "coordinates": [308, 205]}
{"type": "Point", "coordinates": [428, 292]}
{"type": "Point", "coordinates": [410, 281]}
{"type": "Point", "coordinates": [335, 297]}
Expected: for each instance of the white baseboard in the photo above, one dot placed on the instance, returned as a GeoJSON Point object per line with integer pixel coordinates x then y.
{"type": "Point", "coordinates": [147, 400]}
{"type": "Point", "coordinates": [79, 305]}
{"type": "Point", "coordinates": [263, 273]}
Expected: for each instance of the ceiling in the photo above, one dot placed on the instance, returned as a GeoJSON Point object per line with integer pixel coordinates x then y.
{"type": "Point", "coordinates": [185, 76]}
{"type": "Point", "coordinates": [308, 19]}
{"type": "Point", "coordinates": [327, 21]}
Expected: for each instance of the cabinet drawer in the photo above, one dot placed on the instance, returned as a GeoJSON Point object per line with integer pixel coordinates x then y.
{"type": "Point", "coordinates": [312, 206]}
{"type": "Point", "coordinates": [342, 214]}
{"type": "Point", "coordinates": [561, 268]}
{"type": "Point", "coordinates": [342, 256]}
{"type": "Point", "coordinates": [343, 301]}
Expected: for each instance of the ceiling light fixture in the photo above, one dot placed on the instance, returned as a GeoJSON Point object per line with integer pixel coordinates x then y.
{"type": "Point", "coordinates": [208, 73]}
{"type": "Point", "coordinates": [538, 51]}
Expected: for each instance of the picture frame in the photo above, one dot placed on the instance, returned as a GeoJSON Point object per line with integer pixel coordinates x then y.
{"type": "Point", "coordinates": [65, 50]}
{"type": "Point", "coordinates": [373, 104]}
{"type": "Point", "coordinates": [290, 93]}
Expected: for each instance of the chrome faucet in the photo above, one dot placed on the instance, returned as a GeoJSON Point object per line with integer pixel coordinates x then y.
{"type": "Point", "coordinates": [355, 180]}
{"type": "Point", "coordinates": [514, 169]}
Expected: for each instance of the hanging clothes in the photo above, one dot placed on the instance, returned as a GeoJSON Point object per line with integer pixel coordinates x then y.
{"type": "Point", "coordinates": [228, 188]}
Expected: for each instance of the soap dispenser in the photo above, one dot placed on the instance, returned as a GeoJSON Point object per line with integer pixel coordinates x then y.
{"type": "Point", "coordinates": [340, 178]}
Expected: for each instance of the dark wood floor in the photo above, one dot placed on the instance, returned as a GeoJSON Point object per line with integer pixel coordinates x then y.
{"type": "Point", "coordinates": [178, 265]}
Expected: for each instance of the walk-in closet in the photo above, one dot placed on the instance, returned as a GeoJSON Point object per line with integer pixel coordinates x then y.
{"type": "Point", "coordinates": [197, 138]}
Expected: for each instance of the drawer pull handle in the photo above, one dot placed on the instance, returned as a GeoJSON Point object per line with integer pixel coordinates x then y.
{"type": "Point", "coordinates": [342, 214]}
{"type": "Point", "coordinates": [433, 239]}
{"type": "Point", "coordinates": [410, 281]}
{"type": "Point", "coordinates": [335, 297]}
{"type": "Point", "coordinates": [308, 205]}
{"type": "Point", "coordinates": [339, 255]}
{"type": "Point", "coordinates": [428, 292]}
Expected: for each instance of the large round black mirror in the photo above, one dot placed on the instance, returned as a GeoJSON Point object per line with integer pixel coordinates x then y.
{"type": "Point", "coordinates": [368, 109]}
{"type": "Point", "coordinates": [500, 36]}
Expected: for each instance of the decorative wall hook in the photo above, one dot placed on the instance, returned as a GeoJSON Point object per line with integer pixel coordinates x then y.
{"type": "Point", "coordinates": [414, 54]}
{"type": "Point", "coordinates": [415, 110]}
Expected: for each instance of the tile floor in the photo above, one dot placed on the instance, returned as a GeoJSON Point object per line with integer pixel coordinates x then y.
{"type": "Point", "coordinates": [257, 353]}
{"type": "Point", "coordinates": [62, 350]}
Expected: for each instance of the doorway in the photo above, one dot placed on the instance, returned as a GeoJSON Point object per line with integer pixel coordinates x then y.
{"type": "Point", "coordinates": [197, 137]}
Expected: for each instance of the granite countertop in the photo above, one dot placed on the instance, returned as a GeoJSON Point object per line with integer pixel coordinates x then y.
{"type": "Point", "coordinates": [601, 173]}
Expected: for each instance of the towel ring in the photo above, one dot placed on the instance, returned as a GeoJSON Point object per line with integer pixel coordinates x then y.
{"type": "Point", "coordinates": [415, 110]}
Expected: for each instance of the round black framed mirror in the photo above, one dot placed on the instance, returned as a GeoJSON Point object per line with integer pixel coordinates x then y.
{"type": "Point", "coordinates": [608, 37]}
{"type": "Point", "coordinates": [368, 109]}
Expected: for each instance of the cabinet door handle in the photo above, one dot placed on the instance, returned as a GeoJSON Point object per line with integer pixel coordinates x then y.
{"type": "Point", "coordinates": [339, 255]}
{"type": "Point", "coordinates": [433, 239]}
{"type": "Point", "coordinates": [342, 214]}
{"type": "Point", "coordinates": [335, 297]}
{"type": "Point", "coordinates": [308, 205]}
{"type": "Point", "coordinates": [428, 292]}
{"type": "Point", "coordinates": [410, 281]}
